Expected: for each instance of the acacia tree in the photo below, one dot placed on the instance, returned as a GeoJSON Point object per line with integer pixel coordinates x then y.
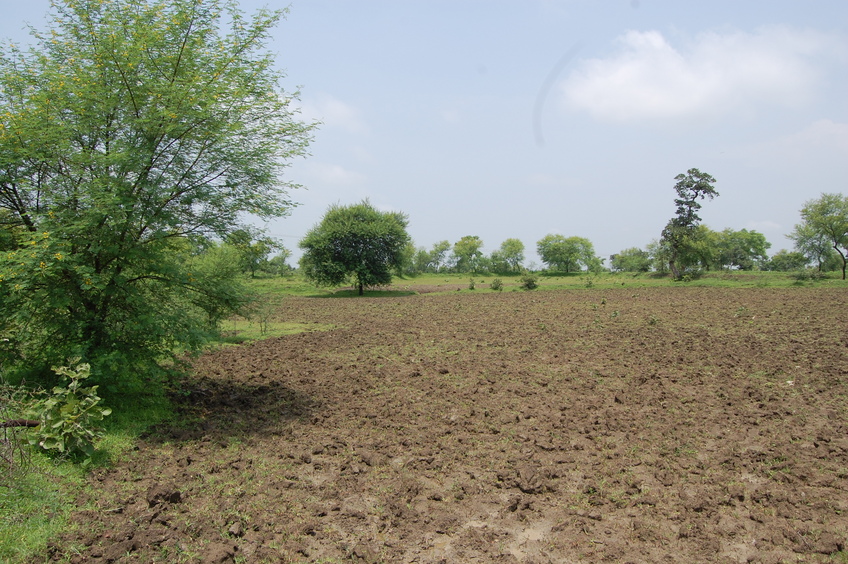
{"type": "Point", "coordinates": [567, 254]}
{"type": "Point", "coordinates": [824, 220]}
{"type": "Point", "coordinates": [355, 242]}
{"type": "Point", "coordinates": [128, 128]}
{"type": "Point", "coordinates": [691, 187]}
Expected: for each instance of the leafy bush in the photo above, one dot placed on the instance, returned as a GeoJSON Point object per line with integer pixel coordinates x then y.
{"type": "Point", "coordinates": [809, 274]}
{"type": "Point", "coordinates": [68, 416]}
{"type": "Point", "coordinates": [496, 285]}
{"type": "Point", "coordinates": [529, 282]}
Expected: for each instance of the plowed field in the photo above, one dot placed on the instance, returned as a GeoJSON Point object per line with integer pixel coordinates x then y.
{"type": "Point", "coordinates": [671, 424]}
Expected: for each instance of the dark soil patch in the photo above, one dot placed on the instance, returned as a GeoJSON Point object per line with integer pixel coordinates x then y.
{"type": "Point", "coordinates": [666, 425]}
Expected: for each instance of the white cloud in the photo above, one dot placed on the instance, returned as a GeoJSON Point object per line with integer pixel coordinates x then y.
{"type": "Point", "coordinates": [649, 78]}
{"type": "Point", "coordinates": [334, 113]}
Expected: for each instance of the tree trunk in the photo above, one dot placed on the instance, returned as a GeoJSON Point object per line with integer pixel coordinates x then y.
{"type": "Point", "coordinates": [672, 264]}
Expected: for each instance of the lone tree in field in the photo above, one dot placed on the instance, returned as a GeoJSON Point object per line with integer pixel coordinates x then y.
{"type": "Point", "coordinates": [825, 221]}
{"type": "Point", "coordinates": [691, 187]}
{"type": "Point", "coordinates": [357, 243]}
{"type": "Point", "coordinates": [132, 133]}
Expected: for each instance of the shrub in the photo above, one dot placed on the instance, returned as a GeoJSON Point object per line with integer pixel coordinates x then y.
{"type": "Point", "coordinates": [529, 282]}
{"type": "Point", "coordinates": [496, 285]}
{"type": "Point", "coordinates": [67, 417]}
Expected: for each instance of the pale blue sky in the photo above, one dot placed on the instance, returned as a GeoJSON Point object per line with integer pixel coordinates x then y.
{"type": "Point", "coordinates": [440, 109]}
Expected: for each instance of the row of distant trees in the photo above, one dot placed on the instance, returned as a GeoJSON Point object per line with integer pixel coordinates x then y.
{"type": "Point", "coordinates": [687, 244]}
{"type": "Point", "coordinates": [559, 253]}
{"type": "Point", "coordinates": [361, 243]}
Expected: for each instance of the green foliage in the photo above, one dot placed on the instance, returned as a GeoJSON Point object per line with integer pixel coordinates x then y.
{"type": "Point", "coordinates": [529, 281]}
{"type": "Point", "coordinates": [496, 285]}
{"type": "Point", "coordinates": [434, 260]}
{"type": "Point", "coordinates": [786, 261]}
{"type": "Point", "coordinates": [508, 258]}
{"type": "Point", "coordinates": [355, 242]}
{"type": "Point", "coordinates": [631, 260]}
{"type": "Point", "coordinates": [681, 230]}
{"type": "Point", "coordinates": [69, 415]}
{"type": "Point", "coordinates": [130, 132]}
{"type": "Point", "coordinates": [741, 249]}
{"type": "Point", "coordinates": [254, 247]}
{"type": "Point", "coordinates": [824, 226]}
{"type": "Point", "coordinates": [467, 254]}
{"type": "Point", "coordinates": [567, 254]}
{"type": "Point", "coordinates": [471, 283]}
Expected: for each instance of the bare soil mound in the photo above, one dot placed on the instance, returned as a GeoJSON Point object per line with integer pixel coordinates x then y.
{"type": "Point", "coordinates": [665, 424]}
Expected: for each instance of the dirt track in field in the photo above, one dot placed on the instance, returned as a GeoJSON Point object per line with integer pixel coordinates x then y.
{"type": "Point", "coordinates": [653, 425]}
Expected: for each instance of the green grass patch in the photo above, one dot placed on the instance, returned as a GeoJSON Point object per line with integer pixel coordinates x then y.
{"type": "Point", "coordinates": [295, 285]}
{"type": "Point", "coordinates": [239, 330]}
{"type": "Point", "coordinates": [43, 492]}
{"type": "Point", "coordinates": [36, 506]}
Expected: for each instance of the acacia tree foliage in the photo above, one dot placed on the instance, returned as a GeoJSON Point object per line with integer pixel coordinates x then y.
{"type": "Point", "coordinates": [824, 222]}
{"type": "Point", "coordinates": [508, 258]}
{"type": "Point", "coordinates": [467, 253]}
{"type": "Point", "coordinates": [355, 242]}
{"type": "Point", "coordinates": [130, 127]}
{"type": "Point", "coordinates": [567, 254]}
{"type": "Point", "coordinates": [677, 234]}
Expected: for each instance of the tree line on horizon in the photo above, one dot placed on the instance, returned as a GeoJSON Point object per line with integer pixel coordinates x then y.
{"type": "Point", "coordinates": [697, 248]}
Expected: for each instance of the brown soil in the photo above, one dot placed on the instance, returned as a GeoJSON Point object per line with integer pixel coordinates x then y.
{"type": "Point", "coordinates": [651, 425]}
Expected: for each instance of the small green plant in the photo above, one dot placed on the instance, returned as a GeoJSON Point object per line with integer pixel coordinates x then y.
{"type": "Point", "coordinates": [470, 283]}
{"type": "Point", "coordinates": [529, 282]}
{"type": "Point", "coordinates": [67, 417]}
{"type": "Point", "coordinates": [496, 285]}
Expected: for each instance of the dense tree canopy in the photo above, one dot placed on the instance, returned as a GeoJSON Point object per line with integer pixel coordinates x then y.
{"type": "Point", "coordinates": [824, 223]}
{"type": "Point", "coordinates": [131, 131]}
{"type": "Point", "coordinates": [567, 254]}
{"type": "Point", "coordinates": [467, 253]}
{"type": "Point", "coordinates": [784, 261]}
{"type": "Point", "coordinates": [631, 260]}
{"type": "Point", "coordinates": [508, 258]}
{"type": "Point", "coordinates": [678, 233]}
{"type": "Point", "coordinates": [358, 243]}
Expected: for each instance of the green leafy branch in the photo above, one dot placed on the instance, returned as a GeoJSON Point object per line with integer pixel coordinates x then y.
{"type": "Point", "coordinates": [67, 418]}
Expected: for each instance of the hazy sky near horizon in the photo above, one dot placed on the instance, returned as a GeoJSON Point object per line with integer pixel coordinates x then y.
{"type": "Point", "coordinates": [515, 119]}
